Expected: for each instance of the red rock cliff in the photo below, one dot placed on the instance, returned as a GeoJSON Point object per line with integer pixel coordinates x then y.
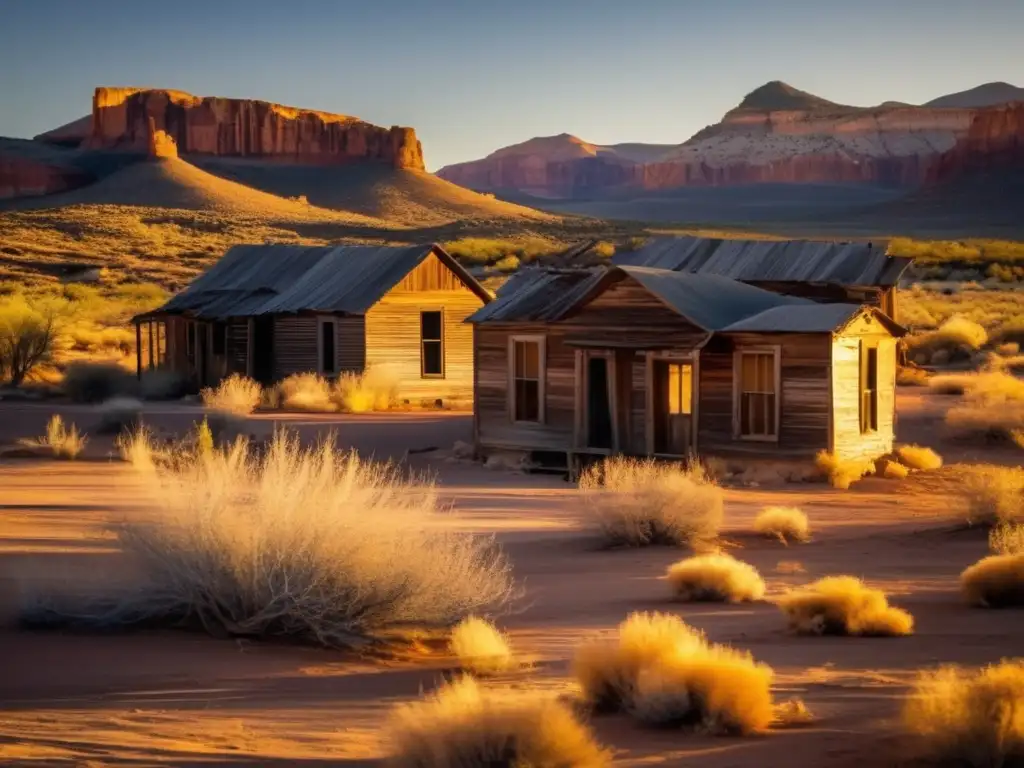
{"type": "Point", "coordinates": [994, 142]}
{"type": "Point", "coordinates": [126, 119]}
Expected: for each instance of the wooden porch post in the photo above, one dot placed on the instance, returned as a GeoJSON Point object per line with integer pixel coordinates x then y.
{"type": "Point", "coordinates": [138, 350]}
{"type": "Point", "coordinates": [150, 324]}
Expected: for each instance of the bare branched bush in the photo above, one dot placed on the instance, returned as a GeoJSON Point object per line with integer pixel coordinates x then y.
{"type": "Point", "coordinates": [996, 581]}
{"type": "Point", "coordinates": [919, 457]}
{"type": "Point", "coordinates": [375, 389]}
{"type": "Point", "coordinates": [843, 605]}
{"type": "Point", "coordinates": [842, 473]}
{"type": "Point", "coordinates": [666, 673]}
{"type": "Point", "coordinates": [60, 441]}
{"type": "Point", "coordinates": [1007, 539]}
{"type": "Point", "coordinates": [783, 523]}
{"type": "Point", "coordinates": [995, 495]}
{"type": "Point", "coordinates": [313, 544]}
{"type": "Point", "coordinates": [236, 394]}
{"type": "Point", "coordinates": [464, 724]}
{"type": "Point", "coordinates": [641, 502]}
{"type": "Point", "coordinates": [717, 578]}
{"type": "Point", "coordinates": [480, 647]}
{"type": "Point", "coordinates": [305, 392]}
{"type": "Point", "coordinates": [966, 717]}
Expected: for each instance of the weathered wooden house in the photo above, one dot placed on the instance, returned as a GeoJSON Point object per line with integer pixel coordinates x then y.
{"type": "Point", "coordinates": [268, 311]}
{"type": "Point", "coordinates": [859, 273]}
{"type": "Point", "coordinates": [652, 362]}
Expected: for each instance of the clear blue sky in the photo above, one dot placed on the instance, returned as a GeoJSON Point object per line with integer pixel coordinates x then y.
{"type": "Point", "coordinates": [475, 75]}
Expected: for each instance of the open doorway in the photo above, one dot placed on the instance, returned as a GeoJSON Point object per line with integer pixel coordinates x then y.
{"type": "Point", "coordinates": [262, 349]}
{"type": "Point", "coordinates": [599, 410]}
{"type": "Point", "coordinates": [672, 407]}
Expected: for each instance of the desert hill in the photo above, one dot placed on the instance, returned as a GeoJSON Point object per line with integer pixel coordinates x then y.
{"type": "Point", "coordinates": [776, 134]}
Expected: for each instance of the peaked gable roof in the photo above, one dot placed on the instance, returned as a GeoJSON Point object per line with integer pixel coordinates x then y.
{"type": "Point", "coordinates": [532, 295]}
{"type": "Point", "coordinates": [264, 279]}
{"type": "Point", "coordinates": [805, 261]}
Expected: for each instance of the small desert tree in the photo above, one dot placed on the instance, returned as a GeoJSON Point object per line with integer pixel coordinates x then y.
{"type": "Point", "coordinates": [27, 335]}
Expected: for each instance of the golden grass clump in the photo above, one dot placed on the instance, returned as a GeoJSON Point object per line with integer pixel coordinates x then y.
{"type": "Point", "coordinates": [236, 394]}
{"type": "Point", "coordinates": [464, 724]}
{"type": "Point", "coordinates": [375, 389]}
{"type": "Point", "coordinates": [666, 673]}
{"type": "Point", "coordinates": [311, 544]}
{"type": "Point", "coordinates": [60, 441]}
{"type": "Point", "coordinates": [919, 457]}
{"type": "Point", "coordinates": [973, 718]}
{"type": "Point", "coordinates": [995, 495]}
{"type": "Point", "coordinates": [987, 421]}
{"type": "Point", "coordinates": [717, 578]}
{"type": "Point", "coordinates": [480, 647]}
{"type": "Point", "coordinates": [304, 392]}
{"type": "Point", "coordinates": [996, 581]}
{"type": "Point", "coordinates": [783, 523]}
{"type": "Point", "coordinates": [950, 384]}
{"type": "Point", "coordinates": [893, 470]}
{"type": "Point", "coordinates": [912, 376]}
{"type": "Point", "coordinates": [842, 473]}
{"type": "Point", "coordinates": [138, 448]}
{"type": "Point", "coordinates": [1007, 539]}
{"type": "Point", "coordinates": [638, 502]}
{"type": "Point", "coordinates": [843, 605]}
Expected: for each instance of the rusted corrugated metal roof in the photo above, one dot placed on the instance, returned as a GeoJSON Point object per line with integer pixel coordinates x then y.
{"type": "Point", "coordinates": [850, 264]}
{"type": "Point", "coordinates": [532, 295]}
{"type": "Point", "coordinates": [263, 279]}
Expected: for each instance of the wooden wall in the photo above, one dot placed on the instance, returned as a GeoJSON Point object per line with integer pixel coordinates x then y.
{"type": "Point", "coordinates": [848, 440]}
{"type": "Point", "coordinates": [295, 345]}
{"type": "Point", "coordinates": [393, 333]}
{"type": "Point", "coordinates": [804, 411]}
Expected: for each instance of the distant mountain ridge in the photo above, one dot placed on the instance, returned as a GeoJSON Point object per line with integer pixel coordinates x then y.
{"type": "Point", "coordinates": [776, 134]}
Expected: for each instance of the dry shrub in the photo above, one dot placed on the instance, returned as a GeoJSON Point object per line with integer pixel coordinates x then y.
{"type": "Point", "coordinates": [792, 713]}
{"type": "Point", "coordinates": [667, 673]}
{"type": "Point", "coordinates": [974, 718]}
{"type": "Point", "coordinates": [1000, 423]}
{"type": "Point", "coordinates": [716, 578]}
{"type": "Point", "coordinates": [637, 502]}
{"type": "Point", "coordinates": [119, 414]}
{"type": "Point", "coordinates": [236, 394]}
{"type": "Point", "coordinates": [783, 523]}
{"type": "Point", "coordinates": [893, 470]}
{"type": "Point", "coordinates": [1007, 539]}
{"type": "Point", "coordinates": [996, 581]}
{"type": "Point", "coordinates": [376, 389]}
{"type": "Point", "coordinates": [789, 567]}
{"type": "Point", "coordinates": [480, 647]}
{"type": "Point", "coordinates": [995, 495]}
{"type": "Point", "coordinates": [313, 544]}
{"type": "Point", "coordinates": [59, 440]}
{"type": "Point", "coordinates": [950, 384]}
{"type": "Point", "coordinates": [956, 339]}
{"type": "Point", "coordinates": [842, 473]}
{"type": "Point", "coordinates": [919, 457]}
{"type": "Point", "coordinates": [139, 448]}
{"type": "Point", "coordinates": [305, 392]}
{"type": "Point", "coordinates": [464, 724]}
{"type": "Point", "coordinates": [97, 382]}
{"type": "Point", "coordinates": [843, 605]}
{"type": "Point", "coordinates": [911, 376]}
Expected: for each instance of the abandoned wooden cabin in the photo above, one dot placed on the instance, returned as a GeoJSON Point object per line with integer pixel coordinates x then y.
{"type": "Point", "coordinates": [269, 311]}
{"type": "Point", "coordinates": [651, 362]}
{"type": "Point", "coordinates": [858, 273]}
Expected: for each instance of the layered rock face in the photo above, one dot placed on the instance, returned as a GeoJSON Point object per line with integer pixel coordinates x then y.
{"type": "Point", "coordinates": [28, 170]}
{"type": "Point", "coordinates": [126, 119]}
{"type": "Point", "coordinates": [994, 142]}
{"type": "Point", "coordinates": [776, 135]}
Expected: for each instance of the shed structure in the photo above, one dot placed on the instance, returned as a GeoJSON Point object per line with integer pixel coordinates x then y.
{"type": "Point", "coordinates": [269, 311]}
{"type": "Point", "coordinates": [861, 273]}
{"type": "Point", "coordinates": [653, 362]}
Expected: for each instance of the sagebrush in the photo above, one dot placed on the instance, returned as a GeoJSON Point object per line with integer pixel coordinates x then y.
{"type": "Point", "coordinates": [375, 389]}
{"type": "Point", "coordinates": [314, 544]}
{"type": "Point", "coordinates": [783, 523]}
{"type": "Point", "coordinates": [919, 457]}
{"type": "Point", "coordinates": [714, 578]}
{"type": "Point", "coordinates": [843, 472]}
{"type": "Point", "coordinates": [994, 494]}
{"type": "Point", "coordinates": [236, 394]}
{"type": "Point", "coordinates": [843, 605]}
{"type": "Point", "coordinates": [480, 647]}
{"type": "Point", "coordinates": [60, 440]}
{"type": "Point", "coordinates": [464, 724]}
{"type": "Point", "coordinates": [966, 717]}
{"type": "Point", "coordinates": [637, 502]}
{"type": "Point", "coordinates": [996, 581]}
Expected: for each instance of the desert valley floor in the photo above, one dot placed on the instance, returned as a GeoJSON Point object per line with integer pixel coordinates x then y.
{"type": "Point", "coordinates": [167, 698]}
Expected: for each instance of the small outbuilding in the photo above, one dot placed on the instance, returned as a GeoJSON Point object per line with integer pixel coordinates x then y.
{"type": "Point", "coordinates": [654, 362]}
{"type": "Point", "coordinates": [269, 311]}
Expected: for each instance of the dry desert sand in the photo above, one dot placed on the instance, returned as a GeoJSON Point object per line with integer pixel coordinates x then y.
{"type": "Point", "coordinates": [167, 698]}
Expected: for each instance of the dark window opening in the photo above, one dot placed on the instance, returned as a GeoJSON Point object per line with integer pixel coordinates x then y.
{"type": "Point", "coordinates": [327, 347]}
{"type": "Point", "coordinates": [757, 395]}
{"type": "Point", "coordinates": [526, 373]}
{"type": "Point", "coordinates": [868, 389]}
{"type": "Point", "coordinates": [431, 344]}
{"type": "Point", "coordinates": [220, 338]}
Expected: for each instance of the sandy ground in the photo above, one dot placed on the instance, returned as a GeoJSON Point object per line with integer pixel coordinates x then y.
{"type": "Point", "coordinates": [164, 698]}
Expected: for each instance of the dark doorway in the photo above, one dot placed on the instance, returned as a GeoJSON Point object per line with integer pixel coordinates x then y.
{"type": "Point", "coordinates": [202, 353]}
{"type": "Point", "coordinates": [673, 407]}
{"type": "Point", "coordinates": [599, 415]}
{"type": "Point", "coordinates": [262, 345]}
